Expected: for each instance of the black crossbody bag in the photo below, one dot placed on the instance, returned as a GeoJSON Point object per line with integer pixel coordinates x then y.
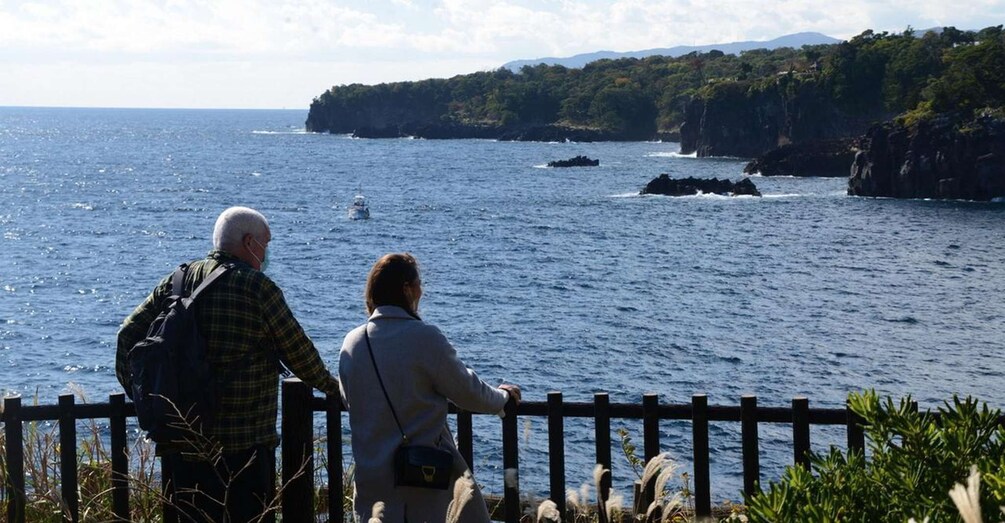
{"type": "Point", "coordinates": [414, 465]}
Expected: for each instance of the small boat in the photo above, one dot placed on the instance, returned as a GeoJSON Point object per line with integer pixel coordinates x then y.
{"type": "Point", "coordinates": [358, 209]}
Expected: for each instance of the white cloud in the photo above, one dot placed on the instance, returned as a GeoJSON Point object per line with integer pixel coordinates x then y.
{"type": "Point", "coordinates": [288, 41]}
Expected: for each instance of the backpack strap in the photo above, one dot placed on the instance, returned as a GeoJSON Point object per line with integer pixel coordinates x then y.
{"type": "Point", "coordinates": [178, 281]}
{"type": "Point", "coordinates": [213, 276]}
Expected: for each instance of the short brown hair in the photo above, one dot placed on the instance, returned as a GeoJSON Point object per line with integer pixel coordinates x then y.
{"type": "Point", "coordinates": [386, 283]}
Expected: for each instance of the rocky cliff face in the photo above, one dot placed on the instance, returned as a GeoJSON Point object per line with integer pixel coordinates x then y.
{"type": "Point", "coordinates": [373, 113]}
{"type": "Point", "coordinates": [934, 159]}
{"type": "Point", "coordinates": [744, 120]}
{"type": "Point", "coordinates": [731, 122]}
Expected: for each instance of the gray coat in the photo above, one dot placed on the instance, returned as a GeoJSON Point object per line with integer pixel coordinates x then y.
{"type": "Point", "coordinates": [422, 373]}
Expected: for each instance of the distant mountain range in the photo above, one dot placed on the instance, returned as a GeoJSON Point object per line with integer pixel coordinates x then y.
{"type": "Point", "coordinates": [795, 41]}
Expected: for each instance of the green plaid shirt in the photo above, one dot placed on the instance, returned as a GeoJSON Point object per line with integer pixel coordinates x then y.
{"type": "Point", "coordinates": [244, 311]}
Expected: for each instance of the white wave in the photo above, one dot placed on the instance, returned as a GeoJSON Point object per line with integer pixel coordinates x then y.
{"type": "Point", "coordinates": [256, 173]}
{"type": "Point", "coordinates": [705, 196]}
{"type": "Point", "coordinates": [541, 166]}
{"type": "Point", "coordinates": [300, 131]}
{"type": "Point", "coordinates": [83, 206]}
{"type": "Point", "coordinates": [626, 195]}
{"type": "Point", "coordinates": [998, 199]}
{"type": "Point", "coordinates": [727, 196]}
{"type": "Point", "coordinates": [785, 195]}
{"type": "Point", "coordinates": [671, 154]}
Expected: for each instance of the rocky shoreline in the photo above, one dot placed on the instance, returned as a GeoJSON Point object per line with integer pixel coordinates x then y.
{"type": "Point", "coordinates": [936, 159]}
{"type": "Point", "coordinates": [518, 133]}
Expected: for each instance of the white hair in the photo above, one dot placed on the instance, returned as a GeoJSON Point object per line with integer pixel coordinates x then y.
{"type": "Point", "coordinates": [234, 223]}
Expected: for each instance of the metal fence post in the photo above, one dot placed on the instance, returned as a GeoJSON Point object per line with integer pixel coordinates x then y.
{"type": "Point", "coordinates": [602, 431]}
{"type": "Point", "coordinates": [748, 428]}
{"type": "Point", "coordinates": [511, 467]}
{"type": "Point", "coordinates": [68, 459]}
{"type": "Point", "coordinates": [650, 441]}
{"type": "Point", "coordinates": [333, 413]}
{"type": "Point", "coordinates": [298, 453]}
{"type": "Point", "coordinates": [465, 438]}
{"type": "Point", "coordinates": [556, 450]}
{"type": "Point", "coordinates": [120, 456]}
{"type": "Point", "coordinates": [801, 431]}
{"type": "Point", "coordinates": [699, 434]}
{"type": "Point", "coordinates": [14, 434]}
{"type": "Point", "coordinates": [856, 435]}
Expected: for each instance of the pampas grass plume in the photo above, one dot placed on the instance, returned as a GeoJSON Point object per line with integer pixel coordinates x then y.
{"type": "Point", "coordinates": [548, 511]}
{"type": "Point", "coordinates": [598, 474]}
{"type": "Point", "coordinates": [967, 499]}
{"type": "Point", "coordinates": [615, 504]}
{"type": "Point", "coordinates": [464, 491]}
{"type": "Point", "coordinates": [653, 467]}
{"type": "Point", "coordinates": [572, 499]}
{"type": "Point", "coordinates": [663, 479]}
{"type": "Point", "coordinates": [377, 513]}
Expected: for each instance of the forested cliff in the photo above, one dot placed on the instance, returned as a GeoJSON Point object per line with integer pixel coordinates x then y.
{"type": "Point", "coordinates": [718, 104]}
{"type": "Point", "coordinates": [627, 99]}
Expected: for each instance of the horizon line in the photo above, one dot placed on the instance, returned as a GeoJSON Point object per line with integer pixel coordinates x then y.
{"type": "Point", "coordinates": [161, 108]}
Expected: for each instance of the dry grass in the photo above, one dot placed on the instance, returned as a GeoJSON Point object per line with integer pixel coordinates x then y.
{"type": "Point", "coordinates": [43, 486]}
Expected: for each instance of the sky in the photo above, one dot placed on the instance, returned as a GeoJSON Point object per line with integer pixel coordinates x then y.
{"type": "Point", "coordinates": [273, 54]}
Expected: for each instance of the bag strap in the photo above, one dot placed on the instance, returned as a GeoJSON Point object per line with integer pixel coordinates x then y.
{"type": "Point", "coordinates": [366, 335]}
{"type": "Point", "coordinates": [213, 276]}
{"type": "Point", "coordinates": [178, 280]}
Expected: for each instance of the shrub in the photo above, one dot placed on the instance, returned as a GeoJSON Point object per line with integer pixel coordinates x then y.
{"type": "Point", "coordinates": [912, 461]}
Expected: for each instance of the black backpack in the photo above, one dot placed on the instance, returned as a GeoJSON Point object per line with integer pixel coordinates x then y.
{"type": "Point", "coordinates": [173, 386]}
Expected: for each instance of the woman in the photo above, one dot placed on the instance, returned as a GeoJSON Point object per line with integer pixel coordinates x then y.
{"type": "Point", "coordinates": [419, 370]}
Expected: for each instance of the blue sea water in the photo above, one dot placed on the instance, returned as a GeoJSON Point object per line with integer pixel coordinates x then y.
{"type": "Point", "coordinates": [556, 279]}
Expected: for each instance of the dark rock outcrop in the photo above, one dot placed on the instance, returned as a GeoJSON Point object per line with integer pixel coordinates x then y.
{"type": "Point", "coordinates": [934, 159]}
{"type": "Point", "coordinates": [577, 161]}
{"type": "Point", "coordinates": [666, 185]}
{"type": "Point", "coordinates": [812, 158]}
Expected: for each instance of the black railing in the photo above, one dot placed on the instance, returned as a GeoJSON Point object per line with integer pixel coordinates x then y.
{"type": "Point", "coordinates": [300, 405]}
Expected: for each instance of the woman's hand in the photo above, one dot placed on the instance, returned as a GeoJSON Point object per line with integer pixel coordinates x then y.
{"type": "Point", "coordinates": [513, 390]}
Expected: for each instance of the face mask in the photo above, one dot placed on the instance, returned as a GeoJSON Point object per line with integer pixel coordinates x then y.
{"type": "Point", "coordinates": [263, 264]}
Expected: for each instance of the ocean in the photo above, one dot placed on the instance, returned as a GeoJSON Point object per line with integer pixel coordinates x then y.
{"type": "Point", "coordinates": [555, 279]}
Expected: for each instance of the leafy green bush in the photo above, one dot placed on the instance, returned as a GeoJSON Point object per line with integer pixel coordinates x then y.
{"type": "Point", "coordinates": [912, 461]}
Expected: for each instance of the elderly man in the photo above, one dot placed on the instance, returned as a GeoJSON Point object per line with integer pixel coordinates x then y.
{"type": "Point", "coordinates": [249, 330]}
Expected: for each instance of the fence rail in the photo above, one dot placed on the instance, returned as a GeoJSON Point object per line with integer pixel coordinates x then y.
{"type": "Point", "coordinates": [299, 406]}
